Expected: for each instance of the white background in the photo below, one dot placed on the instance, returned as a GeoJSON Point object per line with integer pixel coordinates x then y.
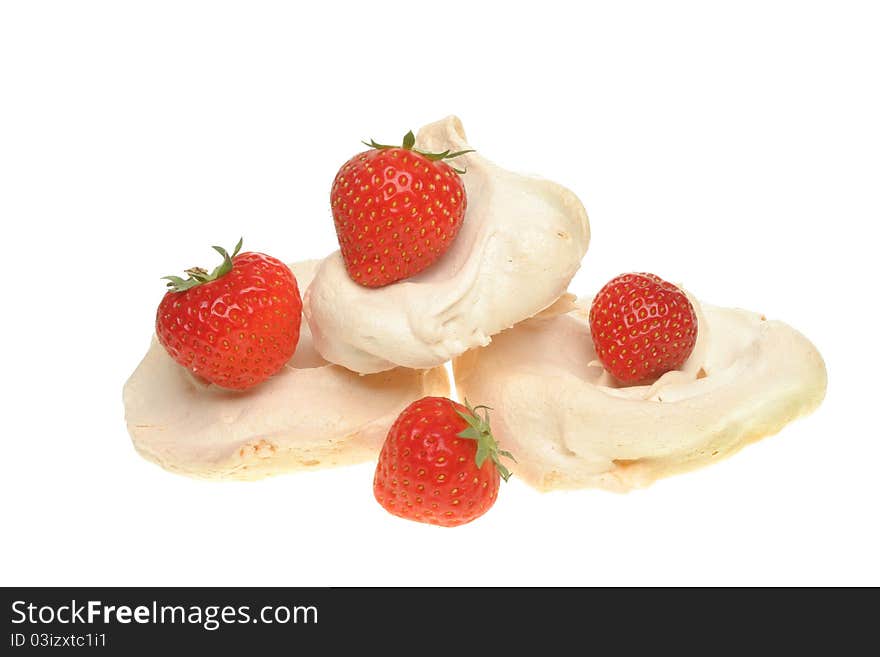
{"type": "Point", "coordinates": [731, 146]}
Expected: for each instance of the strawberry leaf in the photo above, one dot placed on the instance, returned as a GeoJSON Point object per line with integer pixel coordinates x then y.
{"type": "Point", "coordinates": [198, 275]}
{"type": "Point", "coordinates": [504, 452]}
{"type": "Point", "coordinates": [179, 284]}
{"type": "Point", "coordinates": [409, 142]}
{"type": "Point", "coordinates": [503, 472]}
{"type": "Point", "coordinates": [487, 448]}
{"type": "Point", "coordinates": [482, 453]}
{"type": "Point", "coordinates": [471, 432]}
{"type": "Point", "coordinates": [434, 156]}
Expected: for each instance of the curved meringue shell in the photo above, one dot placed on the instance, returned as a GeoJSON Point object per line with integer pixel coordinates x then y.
{"type": "Point", "coordinates": [311, 414]}
{"type": "Point", "coordinates": [569, 426]}
{"type": "Point", "coordinates": [521, 242]}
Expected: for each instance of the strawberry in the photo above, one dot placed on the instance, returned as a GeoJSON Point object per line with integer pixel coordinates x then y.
{"type": "Point", "coordinates": [439, 464]}
{"type": "Point", "coordinates": [236, 326]}
{"type": "Point", "coordinates": [642, 327]}
{"type": "Point", "coordinates": [396, 211]}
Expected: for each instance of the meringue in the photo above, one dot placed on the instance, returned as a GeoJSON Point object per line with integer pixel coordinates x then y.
{"type": "Point", "coordinates": [570, 425]}
{"type": "Point", "coordinates": [521, 242]}
{"type": "Point", "coordinates": [311, 414]}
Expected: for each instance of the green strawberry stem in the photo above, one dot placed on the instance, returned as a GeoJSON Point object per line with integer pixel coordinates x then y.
{"type": "Point", "coordinates": [479, 430]}
{"type": "Point", "coordinates": [198, 275]}
{"type": "Point", "coordinates": [409, 141]}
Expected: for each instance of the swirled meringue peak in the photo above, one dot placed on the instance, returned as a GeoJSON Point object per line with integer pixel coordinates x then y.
{"type": "Point", "coordinates": [521, 242]}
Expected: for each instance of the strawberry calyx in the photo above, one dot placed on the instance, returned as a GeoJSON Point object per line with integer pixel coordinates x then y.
{"type": "Point", "coordinates": [197, 275]}
{"type": "Point", "coordinates": [409, 141]}
{"type": "Point", "coordinates": [487, 447]}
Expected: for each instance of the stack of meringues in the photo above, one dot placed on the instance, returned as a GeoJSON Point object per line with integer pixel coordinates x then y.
{"type": "Point", "coordinates": [496, 305]}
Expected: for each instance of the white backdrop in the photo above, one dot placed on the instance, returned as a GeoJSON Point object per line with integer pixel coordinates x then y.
{"type": "Point", "coordinates": [734, 149]}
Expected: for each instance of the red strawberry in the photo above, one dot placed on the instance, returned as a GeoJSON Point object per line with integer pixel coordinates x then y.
{"type": "Point", "coordinates": [439, 464]}
{"type": "Point", "coordinates": [396, 211]}
{"type": "Point", "coordinates": [236, 326]}
{"type": "Point", "coordinates": [642, 327]}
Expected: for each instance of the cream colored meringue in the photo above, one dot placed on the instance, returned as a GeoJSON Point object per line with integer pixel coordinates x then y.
{"type": "Point", "coordinates": [521, 242]}
{"type": "Point", "coordinates": [311, 414]}
{"type": "Point", "coordinates": [569, 425]}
